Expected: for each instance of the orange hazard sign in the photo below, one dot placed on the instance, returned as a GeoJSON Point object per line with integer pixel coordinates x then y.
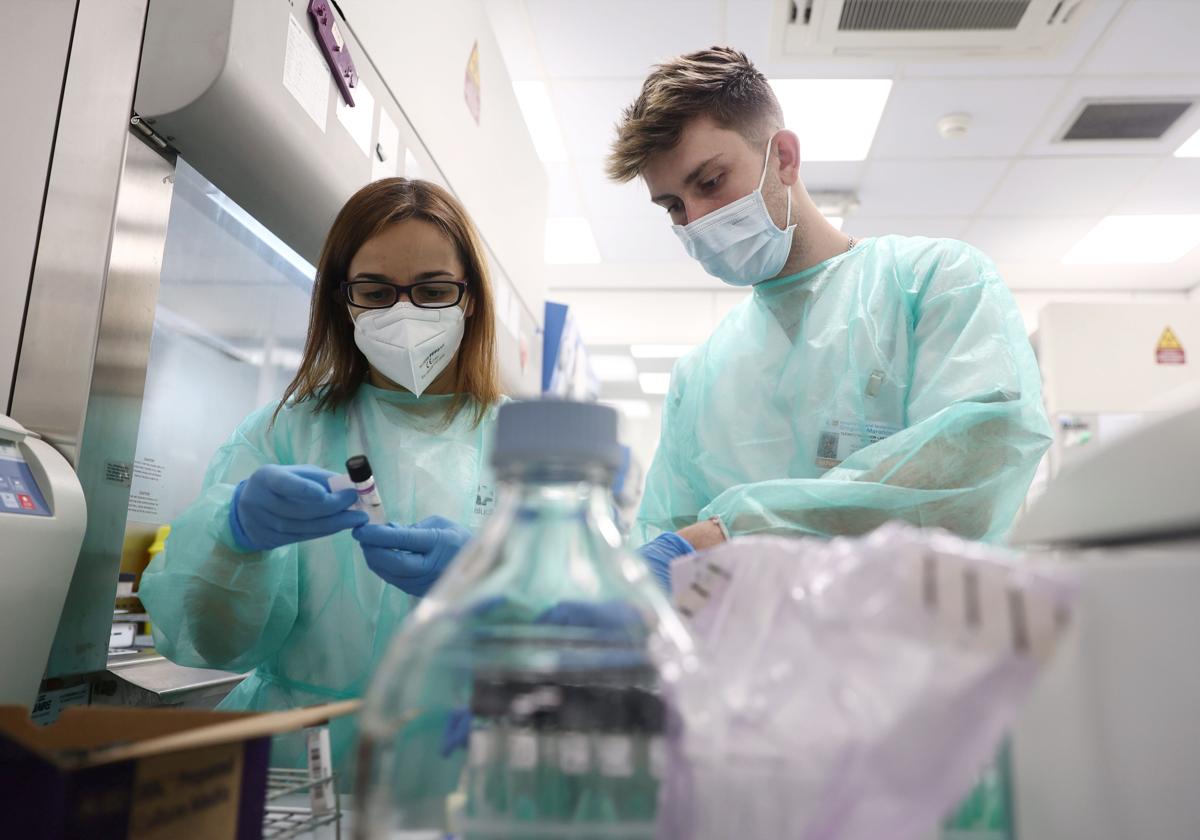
{"type": "Point", "coordinates": [1170, 351]}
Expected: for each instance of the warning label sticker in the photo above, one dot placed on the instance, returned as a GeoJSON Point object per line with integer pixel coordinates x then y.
{"type": "Point", "coordinates": [1170, 351]}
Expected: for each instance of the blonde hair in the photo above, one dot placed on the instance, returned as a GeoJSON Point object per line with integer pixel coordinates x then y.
{"type": "Point", "coordinates": [720, 83]}
{"type": "Point", "coordinates": [333, 367]}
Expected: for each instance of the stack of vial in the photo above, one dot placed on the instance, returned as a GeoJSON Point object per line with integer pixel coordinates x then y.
{"type": "Point", "coordinates": [571, 756]}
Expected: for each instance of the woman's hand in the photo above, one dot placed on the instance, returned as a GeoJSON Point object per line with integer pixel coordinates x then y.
{"type": "Point", "coordinates": [279, 505]}
{"type": "Point", "coordinates": [414, 557]}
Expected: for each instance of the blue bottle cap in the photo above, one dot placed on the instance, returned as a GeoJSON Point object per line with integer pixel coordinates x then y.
{"type": "Point", "coordinates": [556, 433]}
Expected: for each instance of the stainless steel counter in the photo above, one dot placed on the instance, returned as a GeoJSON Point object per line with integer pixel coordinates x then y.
{"type": "Point", "coordinates": [147, 678]}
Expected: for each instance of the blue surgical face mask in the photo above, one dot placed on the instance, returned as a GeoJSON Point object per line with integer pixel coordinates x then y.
{"type": "Point", "coordinates": [739, 243]}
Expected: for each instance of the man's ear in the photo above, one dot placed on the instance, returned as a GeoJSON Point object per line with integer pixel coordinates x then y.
{"type": "Point", "coordinates": [787, 153]}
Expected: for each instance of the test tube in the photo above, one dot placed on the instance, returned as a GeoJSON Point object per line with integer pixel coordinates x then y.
{"type": "Point", "coordinates": [359, 469]}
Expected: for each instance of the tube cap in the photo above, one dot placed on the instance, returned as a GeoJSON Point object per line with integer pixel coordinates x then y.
{"type": "Point", "coordinates": [556, 432]}
{"type": "Point", "coordinates": [358, 467]}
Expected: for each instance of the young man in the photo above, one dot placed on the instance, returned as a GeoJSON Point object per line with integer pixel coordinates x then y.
{"type": "Point", "coordinates": [859, 382]}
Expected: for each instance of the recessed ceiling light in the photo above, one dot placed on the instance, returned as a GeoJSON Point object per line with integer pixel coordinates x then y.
{"type": "Point", "coordinates": [660, 351]}
{"type": "Point", "coordinates": [1137, 239]}
{"type": "Point", "coordinates": [835, 118]}
{"type": "Point", "coordinates": [614, 368]}
{"type": "Point", "coordinates": [569, 241]}
{"type": "Point", "coordinates": [1190, 147]}
{"type": "Point", "coordinates": [535, 104]}
{"type": "Point", "coordinates": [654, 383]}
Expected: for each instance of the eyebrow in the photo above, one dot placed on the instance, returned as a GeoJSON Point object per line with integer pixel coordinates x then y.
{"type": "Point", "coordinates": [383, 278]}
{"type": "Point", "coordinates": [692, 176]}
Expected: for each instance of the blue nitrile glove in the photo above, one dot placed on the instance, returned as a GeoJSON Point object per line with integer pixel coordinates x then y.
{"type": "Point", "coordinates": [661, 551]}
{"type": "Point", "coordinates": [599, 615]}
{"type": "Point", "coordinates": [457, 733]}
{"type": "Point", "coordinates": [414, 557]}
{"type": "Point", "coordinates": [283, 504]}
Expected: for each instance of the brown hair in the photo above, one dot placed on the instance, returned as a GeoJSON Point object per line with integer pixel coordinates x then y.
{"type": "Point", "coordinates": [720, 83]}
{"type": "Point", "coordinates": [333, 367]}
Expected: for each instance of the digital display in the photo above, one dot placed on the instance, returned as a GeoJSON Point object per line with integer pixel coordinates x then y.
{"type": "Point", "coordinates": [18, 492]}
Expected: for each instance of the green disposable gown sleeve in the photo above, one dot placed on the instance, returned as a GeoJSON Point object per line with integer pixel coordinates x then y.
{"type": "Point", "coordinates": [212, 604]}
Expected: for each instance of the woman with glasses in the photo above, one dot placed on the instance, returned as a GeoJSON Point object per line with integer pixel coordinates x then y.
{"type": "Point", "coordinates": [262, 572]}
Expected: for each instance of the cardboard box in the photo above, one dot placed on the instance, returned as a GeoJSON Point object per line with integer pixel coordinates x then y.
{"type": "Point", "coordinates": [141, 774]}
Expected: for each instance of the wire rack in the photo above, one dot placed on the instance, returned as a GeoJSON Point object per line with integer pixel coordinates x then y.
{"type": "Point", "coordinates": [281, 822]}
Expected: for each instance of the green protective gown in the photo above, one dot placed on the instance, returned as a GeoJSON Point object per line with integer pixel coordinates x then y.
{"type": "Point", "coordinates": [310, 619]}
{"type": "Point", "coordinates": [894, 381]}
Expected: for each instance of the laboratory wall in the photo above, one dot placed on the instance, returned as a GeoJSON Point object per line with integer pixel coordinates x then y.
{"type": "Point", "coordinates": [32, 66]}
{"type": "Point", "coordinates": [1117, 358]}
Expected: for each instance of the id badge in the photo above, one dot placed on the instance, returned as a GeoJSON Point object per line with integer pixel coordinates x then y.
{"type": "Point", "coordinates": [840, 439]}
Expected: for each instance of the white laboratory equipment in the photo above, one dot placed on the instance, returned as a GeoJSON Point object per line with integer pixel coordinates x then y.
{"type": "Point", "coordinates": [1108, 747]}
{"type": "Point", "coordinates": [42, 520]}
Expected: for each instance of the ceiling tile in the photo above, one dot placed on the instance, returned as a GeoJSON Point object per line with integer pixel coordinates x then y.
{"type": "Point", "coordinates": [1004, 113]}
{"type": "Point", "coordinates": [863, 226]}
{"type": "Point", "coordinates": [1066, 186]}
{"type": "Point", "coordinates": [603, 197]}
{"type": "Point", "coordinates": [927, 188]}
{"type": "Point", "coordinates": [582, 39]}
{"type": "Point", "coordinates": [589, 110]}
{"type": "Point", "coordinates": [1149, 36]}
{"type": "Point", "coordinates": [1024, 239]}
{"type": "Point", "coordinates": [831, 175]}
{"type": "Point", "coordinates": [641, 317]}
{"type": "Point", "coordinates": [747, 27]}
{"type": "Point", "coordinates": [1172, 187]}
{"type": "Point", "coordinates": [1055, 276]}
{"type": "Point", "coordinates": [622, 239]}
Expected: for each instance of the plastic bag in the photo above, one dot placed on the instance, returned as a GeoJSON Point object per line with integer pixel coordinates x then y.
{"type": "Point", "coordinates": [851, 689]}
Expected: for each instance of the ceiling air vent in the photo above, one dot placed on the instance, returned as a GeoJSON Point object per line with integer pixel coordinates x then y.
{"type": "Point", "coordinates": [930, 15]}
{"type": "Point", "coordinates": [1126, 120]}
{"type": "Point", "coordinates": [925, 29]}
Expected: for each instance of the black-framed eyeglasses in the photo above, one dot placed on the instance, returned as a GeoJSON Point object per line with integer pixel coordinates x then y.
{"type": "Point", "coordinates": [427, 294]}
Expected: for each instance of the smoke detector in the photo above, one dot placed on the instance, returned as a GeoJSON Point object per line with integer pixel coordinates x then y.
{"type": "Point", "coordinates": [953, 126]}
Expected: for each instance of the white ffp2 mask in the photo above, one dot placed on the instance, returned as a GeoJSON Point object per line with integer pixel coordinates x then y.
{"type": "Point", "coordinates": [739, 243]}
{"type": "Point", "coordinates": [410, 345]}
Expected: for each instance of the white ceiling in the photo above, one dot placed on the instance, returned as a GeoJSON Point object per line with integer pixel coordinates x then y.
{"type": "Point", "coordinates": [1007, 186]}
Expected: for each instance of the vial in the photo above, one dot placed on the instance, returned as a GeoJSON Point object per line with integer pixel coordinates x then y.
{"type": "Point", "coordinates": [359, 469]}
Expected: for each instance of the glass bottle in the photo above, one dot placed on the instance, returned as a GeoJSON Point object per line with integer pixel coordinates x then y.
{"type": "Point", "coordinates": [490, 714]}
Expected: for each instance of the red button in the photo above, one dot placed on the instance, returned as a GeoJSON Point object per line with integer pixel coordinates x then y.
{"type": "Point", "coordinates": [26, 502]}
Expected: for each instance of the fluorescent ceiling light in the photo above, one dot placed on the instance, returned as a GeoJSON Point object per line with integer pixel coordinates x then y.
{"type": "Point", "coordinates": [835, 118]}
{"type": "Point", "coordinates": [654, 383]}
{"type": "Point", "coordinates": [1190, 147]}
{"type": "Point", "coordinates": [614, 368]}
{"type": "Point", "coordinates": [1137, 239]}
{"type": "Point", "coordinates": [660, 351]}
{"type": "Point", "coordinates": [836, 221]}
{"type": "Point", "coordinates": [633, 409]}
{"type": "Point", "coordinates": [569, 241]}
{"type": "Point", "coordinates": [534, 100]}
